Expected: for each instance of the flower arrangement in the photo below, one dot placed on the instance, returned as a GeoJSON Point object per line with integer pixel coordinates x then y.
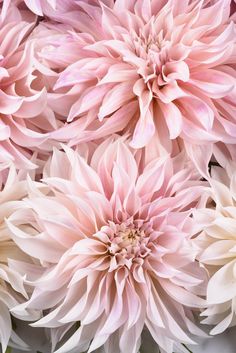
{"type": "Point", "coordinates": [117, 173]}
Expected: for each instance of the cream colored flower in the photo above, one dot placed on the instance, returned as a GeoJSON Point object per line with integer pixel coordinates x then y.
{"type": "Point", "coordinates": [217, 244]}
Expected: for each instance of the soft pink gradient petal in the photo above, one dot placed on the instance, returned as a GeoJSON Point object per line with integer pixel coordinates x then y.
{"type": "Point", "coordinates": [113, 249]}
{"type": "Point", "coordinates": [22, 107]}
{"type": "Point", "coordinates": [169, 58]}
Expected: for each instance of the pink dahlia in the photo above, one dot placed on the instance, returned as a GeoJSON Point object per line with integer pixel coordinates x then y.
{"type": "Point", "coordinates": [22, 106]}
{"type": "Point", "coordinates": [155, 68]}
{"type": "Point", "coordinates": [112, 249]}
{"type": "Point", "coordinates": [217, 248]}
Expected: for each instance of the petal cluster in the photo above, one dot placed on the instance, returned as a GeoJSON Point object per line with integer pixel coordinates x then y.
{"type": "Point", "coordinates": [217, 244]}
{"type": "Point", "coordinates": [26, 110]}
{"type": "Point", "coordinates": [151, 67]}
{"type": "Point", "coordinates": [20, 103]}
{"type": "Point", "coordinates": [38, 7]}
{"type": "Point", "coordinates": [12, 291]}
{"type": "Point", "coordinates": [113, 239]}
{"type": "Point", "coordinates": [117, 172]}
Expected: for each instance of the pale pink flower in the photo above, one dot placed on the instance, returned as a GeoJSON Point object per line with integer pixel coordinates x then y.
{"type": "Point", "coordinates": [149, 67]}
{"type": "Point", "coordinates": [113, 237]}
{"type": "Point", "coordinates": [23, 124]}
{"type": "Point", "coordinates": [12, 291]}
{"type": "Point", "coordinates": [217, 248]}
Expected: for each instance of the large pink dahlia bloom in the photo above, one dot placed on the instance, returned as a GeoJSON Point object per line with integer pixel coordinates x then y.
{"type": "Point", "coordinates": [112, 243]}
{"type": "Point", "coordinates": [152, 67]}
{"type": "Point", "coordinates": [217, 248]}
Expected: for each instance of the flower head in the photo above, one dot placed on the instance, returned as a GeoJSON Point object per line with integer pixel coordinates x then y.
{"type": "Point", "coordinates": [113, 243]}
{"type": "Point", "coordinates": [151, 67]}
{"type": "Point", "coordinates": [12, 290]}
{"type": "Point", "coordinates": [23, 120]}
{"type": "Point", "coordinates": [217, 248]}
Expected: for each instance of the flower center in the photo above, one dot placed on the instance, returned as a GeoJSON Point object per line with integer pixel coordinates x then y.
{"type": "Point", "coordinates": [127, 243]}
{"type": "Point", "coordinates": [151, 48]}
{"type": "Point", "coordinates": [158, 59]}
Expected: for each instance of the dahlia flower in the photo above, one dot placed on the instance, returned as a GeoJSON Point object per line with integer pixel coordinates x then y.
{"type": "Point", "coordinates": [154, 68]}
{"type": "Point", "coordinates": [217, 248]}
{"type": "Point", "coordinates": [21, 106]}
{"type": "Point", "coordinates": [112, 240]}
{"type": "Point", "coordinates": [11, 282]}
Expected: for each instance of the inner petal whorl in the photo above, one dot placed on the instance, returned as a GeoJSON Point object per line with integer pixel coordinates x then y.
{"type": "Point", "coordinates": [126, 243]}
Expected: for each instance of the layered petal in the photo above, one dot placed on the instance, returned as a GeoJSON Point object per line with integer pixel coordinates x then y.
{"type": "Point", "coordinates": [110, 229]}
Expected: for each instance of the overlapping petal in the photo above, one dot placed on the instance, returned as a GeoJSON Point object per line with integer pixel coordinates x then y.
{"type": "Point", "coordinates": [115, 242]}
{"type": "Point", "coordinates": [175, 63]}
{"type": "Point", "coordinates": [24, 117]}
{"type": "Point", "coordinates": [12, 290]}
{"type": "Point", "coordinates": [217, 247]}
{"type": "Point", "coordinates": [113, 239]}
